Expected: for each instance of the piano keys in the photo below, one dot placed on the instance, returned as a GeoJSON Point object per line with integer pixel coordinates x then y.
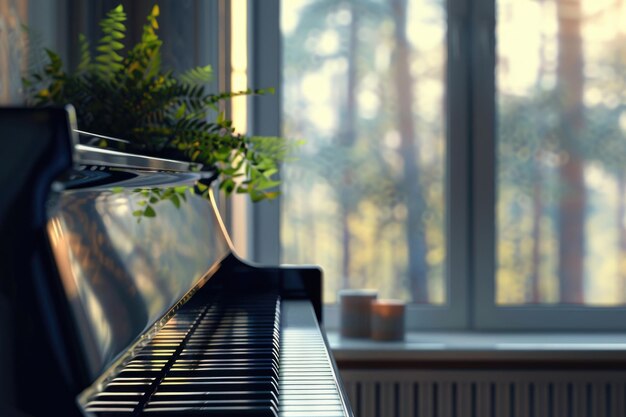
{"type": "Point", "coordinates": [136, 303]}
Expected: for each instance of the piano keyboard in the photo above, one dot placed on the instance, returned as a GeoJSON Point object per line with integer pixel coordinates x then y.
{"type": "Point", "coordinates": [308, 386]}
{"type": "Point", "coordinates": [253, 356]}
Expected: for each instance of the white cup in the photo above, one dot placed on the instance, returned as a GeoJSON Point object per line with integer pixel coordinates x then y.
{"type": "Point", "coordinates": [355, 312]}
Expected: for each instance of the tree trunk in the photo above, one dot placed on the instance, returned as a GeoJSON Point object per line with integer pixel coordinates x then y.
{"type": "Point", "coordinates": [536, 239]}
{"type": "Point", "coordinates": [413, 198]}
{"type": "Point", "coordinates": [535, 285]}
{"type": "Point", "coordinates": [347, 139]}
{"type": "Point", "coordinates": [621, 253]}
{"type": "Point", "coordinates": [571, 171]}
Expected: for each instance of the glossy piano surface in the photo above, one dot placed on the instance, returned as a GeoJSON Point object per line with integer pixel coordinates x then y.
{"type": "Point", "coordinates": [127, 250]}
{"type": "Point", "coordinates": [233, 353]}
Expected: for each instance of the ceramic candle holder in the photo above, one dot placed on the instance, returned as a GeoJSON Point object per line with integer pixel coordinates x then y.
{"type": "Point", "coordinates": [387, 319]}
{"type": "Point", "coordinates": [355, 312]}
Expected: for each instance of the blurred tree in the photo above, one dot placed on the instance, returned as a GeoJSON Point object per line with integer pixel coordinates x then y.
{"type": "Point", "coordinates": [607, 126]}
{"type": "Point", "coordinates": [570, 84]}
{"type": "Point", "coordinates": [411, 179]}
{"type": "Point", "coordinates": [371, 160]}
{"type": "Point", "coordinates": [527, 128]}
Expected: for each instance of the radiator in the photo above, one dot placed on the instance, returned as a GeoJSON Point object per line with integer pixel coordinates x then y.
{"type": "Point", "coordinates": [486, 393]}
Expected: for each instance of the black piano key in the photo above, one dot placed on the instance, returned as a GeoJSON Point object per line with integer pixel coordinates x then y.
{"type": "Point", "coordinates": [110, 411]}
{"type": "Point", "coordinates": [270, 371]}
{"type": "Point", "coordinates": [215, 403]}
{"type": "Point", "coordinates": [145, 373]}
{"type": "Point", "coordinates": [223, 336]}
{"type": "Point", "coordinates": [130, 384]}
{"type": "Point", "coordinates": [229, 344]}
{"type": "Point", "coordinates": [224, 371]}
{"type": "Point", "coordinates": [219, 335]}
{"type": "Point", "coordinates": [210, 379]}
{"type": "Point", "coordinates": [112, 404]}
{"type": "Point", "coordinates": [223, 360]}
{"type": "Point", "coordinates": [216, 386]}
{"type": "Point", "coordinates": [239, 411]}
{"type": "Point", "coordinates": [114, 397]}
{"type": "Point", "coordinates": [233, 361]}
{"type": "Point", "coordinates": [227, 354]}
{"type": "Point", "coordinates": [215, 395]}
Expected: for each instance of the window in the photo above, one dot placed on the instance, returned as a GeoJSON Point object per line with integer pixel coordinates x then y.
{"type": "Point", "coordinates": [513, 161]}
{"type": "Point", "coordinates": [365, 84]}
{"type": "Point", "coordinates": [560, 150]}
{"type": "Point", "coordinates": [559, 146]}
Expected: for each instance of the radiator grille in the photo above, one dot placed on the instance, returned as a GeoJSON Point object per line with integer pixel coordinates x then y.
{"type": "Point", "coordinates": [486, 393]}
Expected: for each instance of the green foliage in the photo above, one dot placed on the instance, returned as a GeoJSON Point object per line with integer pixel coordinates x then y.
{"type": "Point", "coordinates": [109, 62]}
{"type": "Point", "coordinates": [133, 98]}
{"type": "Point", "coordinates": [152, 196]}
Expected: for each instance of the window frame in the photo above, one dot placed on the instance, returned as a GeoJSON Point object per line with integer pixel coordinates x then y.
{"type": "Point", "coordinates": [264, 71]}
{"type": "Point", "coordinates": [487, 315]}
{"type": "Point", "coordinates": [470, 184]}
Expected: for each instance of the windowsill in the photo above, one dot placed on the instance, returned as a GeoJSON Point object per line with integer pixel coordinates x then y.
{"type": "Point", "coordinates": [484, 348]}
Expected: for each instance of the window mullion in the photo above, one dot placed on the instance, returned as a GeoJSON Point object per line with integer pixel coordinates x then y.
{"type": "Point", "coordinates": [264, 72]}
{"type": "Point", "coordinates": [482, 154]}
{"type": "Point", "coordinates": [458, 163]}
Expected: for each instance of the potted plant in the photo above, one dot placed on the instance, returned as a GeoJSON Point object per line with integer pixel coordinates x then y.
{"type": "Point", "coordinates": [133, 98]}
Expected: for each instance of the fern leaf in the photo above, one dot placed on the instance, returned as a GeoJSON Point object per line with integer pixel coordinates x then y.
{"type": "Point", "coordinates": [152, 17]}
{"type": "Point", "coordinates": [197, 76]}
{"type": "Point", "coordinates": [85, 54]}
{"type": "Point", "coordinates": [145, 58]}
{"type": "Point", "coordinates": [114, 30]}
{"type": "Point", "coordinates": [34, 44]}
{"type": "Point", "coordinates": [55, 63]}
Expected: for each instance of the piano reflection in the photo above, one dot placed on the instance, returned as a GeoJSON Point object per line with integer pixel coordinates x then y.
{"type": "Point", "coordinates": [120, 293]}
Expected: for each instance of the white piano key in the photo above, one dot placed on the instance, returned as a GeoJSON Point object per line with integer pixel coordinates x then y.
{"type": "Point", "coordinates": [308, 385]}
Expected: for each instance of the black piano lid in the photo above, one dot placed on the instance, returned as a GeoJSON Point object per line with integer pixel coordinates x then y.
{"type": "Point", "coordinates": [128, 250]}
{"type": "Point", "coordinates": [126, 255]}
{"type": "Point", "coordinates": [127, 244]}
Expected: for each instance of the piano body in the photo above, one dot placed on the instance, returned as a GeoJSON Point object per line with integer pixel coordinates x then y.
{"type": "Point", "coordinates": [120, 293]}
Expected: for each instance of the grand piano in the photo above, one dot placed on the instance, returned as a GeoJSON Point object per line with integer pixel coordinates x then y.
{"type": "Point", "coordinates": [121, 295]}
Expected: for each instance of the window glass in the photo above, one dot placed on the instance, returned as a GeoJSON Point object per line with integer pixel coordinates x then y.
{"type": "Point", "coordinates": [364, 86]}
{"type": "Point", "coordinates": [561, 205]}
